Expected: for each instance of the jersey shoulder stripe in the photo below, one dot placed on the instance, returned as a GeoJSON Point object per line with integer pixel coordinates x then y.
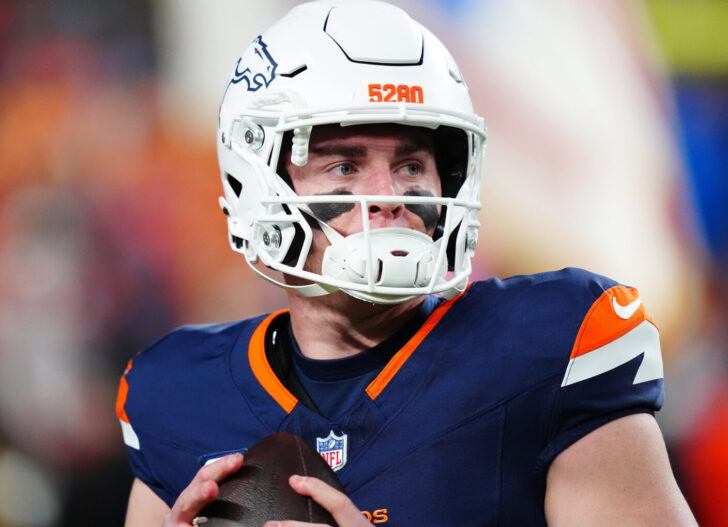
{"type": "Point", "coordinates": [615, 330]}
{"type": "Point", "coordinates": [130, 437]}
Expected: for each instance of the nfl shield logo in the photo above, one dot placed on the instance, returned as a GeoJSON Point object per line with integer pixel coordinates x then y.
{"type": "Point", "coordinates": [333, 449]}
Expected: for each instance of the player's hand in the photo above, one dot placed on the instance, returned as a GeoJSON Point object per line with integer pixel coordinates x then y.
{"type": "Point", "coordinates": [337, 503]}
{"type": "Point", "coordinates": [202, 490]}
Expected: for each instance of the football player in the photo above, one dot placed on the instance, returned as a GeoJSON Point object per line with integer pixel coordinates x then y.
{"type": "Point", "coordinates": [350, 158]}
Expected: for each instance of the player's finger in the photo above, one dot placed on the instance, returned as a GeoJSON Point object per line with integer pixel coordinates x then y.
{"type": "Point", "coordinates": [202, 489]}
{"type": "Point", "coordinates": [190, 501]}
{"type": "Point", "coordinates": [220, 468]}
{"type": "Point", "coordinates": [337, 503]}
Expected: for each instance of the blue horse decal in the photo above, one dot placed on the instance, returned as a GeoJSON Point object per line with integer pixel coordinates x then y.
{"type": "Point", "coordinates": [259, 67]}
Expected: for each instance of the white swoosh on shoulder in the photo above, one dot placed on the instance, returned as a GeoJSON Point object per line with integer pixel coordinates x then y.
{"type": "Point", "coordinates": [626, 312]}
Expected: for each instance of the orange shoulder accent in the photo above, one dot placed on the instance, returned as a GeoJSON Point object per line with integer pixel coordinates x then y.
{"type": "Point", "coordinates": [121, 396]}
{"type": "Point", "coordinates": [262, 370]}
{"type": "Point", "coordinates": [396, 362]}
{"type": "Point", "coordinates": [617, 311]}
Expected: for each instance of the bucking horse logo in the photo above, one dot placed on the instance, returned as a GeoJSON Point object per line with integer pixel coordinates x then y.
{"type": "Point", "coordinates": [258, 67]}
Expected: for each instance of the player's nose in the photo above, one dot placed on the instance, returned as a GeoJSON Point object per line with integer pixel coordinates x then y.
{"type": "Point", "coordinates": [382, 184]}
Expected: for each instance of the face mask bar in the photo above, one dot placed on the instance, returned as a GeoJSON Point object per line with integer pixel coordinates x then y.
{"type": "Point", "coordinates": [302, 120]}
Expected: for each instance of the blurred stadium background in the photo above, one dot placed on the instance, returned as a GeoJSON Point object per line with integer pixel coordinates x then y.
{"type": "Point", "coordinates": [608, 149]}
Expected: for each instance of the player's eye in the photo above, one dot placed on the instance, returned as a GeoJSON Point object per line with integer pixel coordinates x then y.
{"type": "Point", "coordinates": [412, 169]}
{"type": "Point", "coordinates": [343, 169]}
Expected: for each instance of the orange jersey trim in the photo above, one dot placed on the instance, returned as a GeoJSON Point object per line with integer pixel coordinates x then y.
{"type": "Point", "coordinates": [261, 368]}
{"type": "Point", "coordinates": [390, 370]}
{"type": "Point", "coordinates": [602, 323]}
{"type": "Point", "coordinates": [268, 380]}
{"type": "Point", "coordinates": [122, 394]}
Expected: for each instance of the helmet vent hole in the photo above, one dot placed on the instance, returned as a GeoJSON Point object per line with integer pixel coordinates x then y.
{"type": "Point", "coordinates": [238, 242]}
{"type": "Point", "coordinates": [236, 185]}
{"type": "Point", "coordinates": [295, 72]}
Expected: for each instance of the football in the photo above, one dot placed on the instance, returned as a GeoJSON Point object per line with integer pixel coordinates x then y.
{"type": "Point", "coordinates": [260, 492]}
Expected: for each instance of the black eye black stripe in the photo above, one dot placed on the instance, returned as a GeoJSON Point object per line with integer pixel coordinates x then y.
{"type": "Point", "coordinates": [328, 211]}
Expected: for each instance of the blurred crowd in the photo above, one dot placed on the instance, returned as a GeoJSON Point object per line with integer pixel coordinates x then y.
{"type": "Point", "coordinates": [605, 152]}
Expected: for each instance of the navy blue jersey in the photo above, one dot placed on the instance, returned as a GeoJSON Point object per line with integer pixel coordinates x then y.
{"type": "Point", "coordinates": [458, 428]}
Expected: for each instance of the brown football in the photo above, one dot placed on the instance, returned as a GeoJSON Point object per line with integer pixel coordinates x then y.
{"type": "Point", "coordinates": [260, 492]}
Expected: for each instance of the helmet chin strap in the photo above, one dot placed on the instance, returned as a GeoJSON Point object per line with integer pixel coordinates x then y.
{"type": "Point", "coordinates": [308, 290]}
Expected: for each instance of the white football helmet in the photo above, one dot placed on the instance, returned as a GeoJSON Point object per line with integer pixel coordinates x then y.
{"type": "Point", "coordinates": [348, 62]}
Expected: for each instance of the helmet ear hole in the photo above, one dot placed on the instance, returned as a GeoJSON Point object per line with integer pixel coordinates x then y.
{"type": "Point", "coordinates": [295, 248]}
{"type": "Point", "coordinates": [451, 243]}
{"type": "Point", "coordinates": [299, 236]}
{"type": "Point", "coordinates": [284, 157]}
{"type": "Point", "coordinates": [237, 241]}
{"type": "Point", "coordinates": [235, 185]}
{"type": "Point", "coordinates": [451, 158]}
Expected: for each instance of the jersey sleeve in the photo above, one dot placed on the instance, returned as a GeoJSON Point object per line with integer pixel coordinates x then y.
{"type": "Point", "coordinates": [138, 463]}
{"type": "Point", "coordinates": [614, 369]}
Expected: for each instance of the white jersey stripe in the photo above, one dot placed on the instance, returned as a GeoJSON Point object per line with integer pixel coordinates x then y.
{"type": "Point", "coordinates": [644, 338]}
{"type": "Point", "coordinates": [130, 437]}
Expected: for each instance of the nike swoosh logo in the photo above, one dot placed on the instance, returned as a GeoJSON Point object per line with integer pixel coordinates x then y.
{"type": "Point", "coordinates": [626, 312]}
